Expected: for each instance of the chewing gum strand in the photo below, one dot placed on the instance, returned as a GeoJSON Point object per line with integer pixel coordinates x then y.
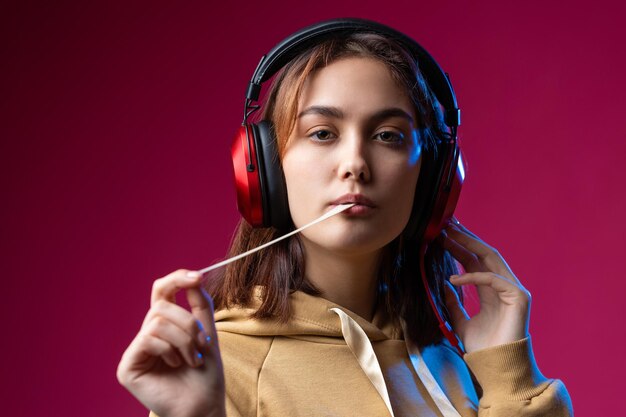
{"type": "Point", "coordinates": [325, 216]}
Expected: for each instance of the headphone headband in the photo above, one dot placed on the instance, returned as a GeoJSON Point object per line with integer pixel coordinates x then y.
{"type": "Point", "coordinates": [293, 45]}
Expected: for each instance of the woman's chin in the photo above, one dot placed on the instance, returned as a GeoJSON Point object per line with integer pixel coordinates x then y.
{"type": "Point", "coordinates": [350, 241]}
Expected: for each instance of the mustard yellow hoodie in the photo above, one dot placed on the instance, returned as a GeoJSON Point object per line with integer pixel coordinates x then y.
{"type": "Point", "coordinates": [328, 361]}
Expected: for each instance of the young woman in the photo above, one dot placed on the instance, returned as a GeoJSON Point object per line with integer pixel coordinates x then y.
{"type": "Point", "coordinates": [337, 320]}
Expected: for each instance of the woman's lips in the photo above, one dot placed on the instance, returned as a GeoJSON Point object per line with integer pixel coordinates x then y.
{"type": "Point", "coordinates": [363, 206]}
{"type": "Point", "coordinates": [358, 199]}
{"type": "Point", "coordinates": [358, 210]}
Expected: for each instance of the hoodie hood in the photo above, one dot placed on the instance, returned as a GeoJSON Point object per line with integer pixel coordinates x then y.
{"type": "Point", "coordinates": [312, 318]}
{"type": "Point", "coordinates": [316, 319]}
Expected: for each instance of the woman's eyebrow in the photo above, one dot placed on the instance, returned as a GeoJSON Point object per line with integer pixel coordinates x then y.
{"type": "Point", "coordinates": [322, 111]}
{"type": "Point", "coordinates": [336, 113]}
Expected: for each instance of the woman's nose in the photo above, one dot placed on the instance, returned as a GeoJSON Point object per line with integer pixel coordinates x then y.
{"type": "Point", "coordinates": [353, 160]}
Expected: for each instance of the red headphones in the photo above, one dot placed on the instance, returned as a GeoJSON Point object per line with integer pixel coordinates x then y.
{"type": "Point", "coordinates": [259, 179]}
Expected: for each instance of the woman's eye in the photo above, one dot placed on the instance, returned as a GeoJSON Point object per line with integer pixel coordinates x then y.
{"type": "Point", "coordinates": [390, 137]}
{"type": "Point", "coordinates": [322, 135]}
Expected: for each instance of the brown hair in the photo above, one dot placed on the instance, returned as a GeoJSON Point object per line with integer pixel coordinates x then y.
{"type": "Point", "coordinates": [280, 269]}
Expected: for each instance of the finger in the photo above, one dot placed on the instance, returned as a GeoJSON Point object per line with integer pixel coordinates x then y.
{"type": "Point", "coordinates": [142, 354]}
{"type": "Point", "coordinates": [169, 332]}
{"type": "Point", "coordinates": [457, 312]}
{"type": "Point", "coordinates": [166, 288]}
{"type": "Point", "coordinates": [488, 256]}
{"type": "Point", "coordinates": [156, 347]}
{"type": "Point", "coordinates": [201, 305]}
{"type": "Point", "coordinates": [508, 291]}
{"type": "Point", "coordinates": [469, 240]}
{"type": "Point", "coordinates": [180, 317]}
{"type": "Point", "coordinates": [467, 258]}
{"type": "Point", "coordinates": [458, 224]}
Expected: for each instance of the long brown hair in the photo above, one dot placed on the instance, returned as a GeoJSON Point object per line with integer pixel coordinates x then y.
{"type": "Point", "coordinates": [280, 270]}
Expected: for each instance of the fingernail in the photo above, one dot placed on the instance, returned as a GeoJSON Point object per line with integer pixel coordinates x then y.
{"type": "Point", "coordinates": [193, 275]}
{"type": "Point", "coordinates": [454, 277]}
{"type": "Point", "coordinates": [201, 339]}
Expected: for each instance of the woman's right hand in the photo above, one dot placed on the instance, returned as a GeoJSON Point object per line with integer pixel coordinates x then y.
{"type": "Point", "coordinates": [173, 365]}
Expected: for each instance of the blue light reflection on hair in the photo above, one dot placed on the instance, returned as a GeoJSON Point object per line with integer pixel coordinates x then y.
{"type": "Point", "coordinates": [461, 167]}
{"type": "Point", "coordinates": [417, 148]}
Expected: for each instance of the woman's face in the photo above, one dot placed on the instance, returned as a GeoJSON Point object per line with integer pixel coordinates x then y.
{"type": "Point", "coordinates": [355, 140]}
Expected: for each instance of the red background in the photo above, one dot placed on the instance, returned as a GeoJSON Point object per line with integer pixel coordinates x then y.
{"type": "Point", "coordinates": [116, 120]}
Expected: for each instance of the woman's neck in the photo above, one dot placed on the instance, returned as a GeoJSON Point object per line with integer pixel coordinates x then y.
{"type": "Point", "coordinates": [349, 280]}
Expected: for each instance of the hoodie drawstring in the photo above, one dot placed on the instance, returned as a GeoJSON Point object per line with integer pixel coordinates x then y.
{"type": "Point", "coordinates": [427, 378]}
{"type": "Point", "coordinates": [361, 347]}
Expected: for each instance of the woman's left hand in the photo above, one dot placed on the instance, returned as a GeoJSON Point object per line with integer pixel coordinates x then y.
{"type": "Point", "coordinates": [504, 302]}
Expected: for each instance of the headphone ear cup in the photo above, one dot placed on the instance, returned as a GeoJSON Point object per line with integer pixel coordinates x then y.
{"type": "Point", "coordinates": [248, 176]}
{"type": "Point", "coordinates": [274, 189]}
{"type": "Point", "coordinates": [441, 177]}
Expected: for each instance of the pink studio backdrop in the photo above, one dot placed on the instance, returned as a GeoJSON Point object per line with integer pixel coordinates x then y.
{"type": "Point", "coordinates": [116, 120]}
